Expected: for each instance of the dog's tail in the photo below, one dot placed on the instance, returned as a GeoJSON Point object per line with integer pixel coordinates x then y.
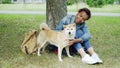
{"type": "Point", "coordinates": [44, 26]}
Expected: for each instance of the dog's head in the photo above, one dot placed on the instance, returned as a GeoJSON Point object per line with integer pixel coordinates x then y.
{"type": "Point", "coordinates": [70, 30]}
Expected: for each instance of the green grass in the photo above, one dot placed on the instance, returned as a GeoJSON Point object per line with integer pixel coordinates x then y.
{"type": "Point", "coordinates": [105, 31]}
{"type": "Point", "coordinates": [12, 30]}
{"type": "Point", "coordinates": [25, 7]}
{"type": "Point", "coordinates": [106, 36]}
{"type": "Point", "coordinates": [71, 8]}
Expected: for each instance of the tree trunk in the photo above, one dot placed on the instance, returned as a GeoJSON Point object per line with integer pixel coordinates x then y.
{"type": "Point", "coordinates": [55, 11]}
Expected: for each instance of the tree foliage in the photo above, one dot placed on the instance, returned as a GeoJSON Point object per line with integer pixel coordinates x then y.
{"type": "Point", "coordinates": [98, 3]}
{"type": "Point", "coordinates": [109, 1]}
{"type": "Point", "coordinates": [95, 3]}
{"type": "Point", "coordinates": [70, 2]}
{"type": "Point", "coordinates": [6, 1]}
{"type": "Point", "coordinates": [92, 3]}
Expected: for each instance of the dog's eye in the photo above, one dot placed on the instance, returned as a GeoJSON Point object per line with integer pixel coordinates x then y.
{"type": "Point", "coordinates": [72, 29]}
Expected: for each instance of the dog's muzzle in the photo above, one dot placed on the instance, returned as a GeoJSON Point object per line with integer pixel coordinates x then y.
{"type": "Point", "coordinates": [69, 33]}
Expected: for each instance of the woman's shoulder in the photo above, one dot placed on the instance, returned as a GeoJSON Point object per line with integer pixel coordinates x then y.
{"type": "Point", "coordinates": [71, 15]}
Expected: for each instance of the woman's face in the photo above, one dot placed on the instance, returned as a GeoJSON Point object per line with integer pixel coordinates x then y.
{"type": "Point", "coordinates": [81, 17]}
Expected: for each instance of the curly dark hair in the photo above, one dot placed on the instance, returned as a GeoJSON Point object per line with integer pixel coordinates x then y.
{"type": "Point", "coordinates": [87, 11]}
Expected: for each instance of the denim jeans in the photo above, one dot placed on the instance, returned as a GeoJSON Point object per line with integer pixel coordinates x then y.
{"type": "Point", "coordinates": [85, 44]}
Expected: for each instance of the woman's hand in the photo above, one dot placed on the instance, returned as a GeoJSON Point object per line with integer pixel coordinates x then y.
{"type": "Point", "coordinates": [72, 41]}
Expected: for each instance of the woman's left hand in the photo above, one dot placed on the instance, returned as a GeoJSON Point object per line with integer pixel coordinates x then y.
{"type": "Point", "coordinates": [72, 41]}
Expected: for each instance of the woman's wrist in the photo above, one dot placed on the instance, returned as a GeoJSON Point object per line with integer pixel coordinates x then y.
{"type": "Point", "coordinates": [78, 40]}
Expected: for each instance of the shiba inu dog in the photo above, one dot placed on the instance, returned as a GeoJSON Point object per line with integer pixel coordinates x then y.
{"type": "Point", "coordinates": [57, 38]}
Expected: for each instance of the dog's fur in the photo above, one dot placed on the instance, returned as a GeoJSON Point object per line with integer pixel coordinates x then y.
{"type": "Point", "coordinates": [57, 38]}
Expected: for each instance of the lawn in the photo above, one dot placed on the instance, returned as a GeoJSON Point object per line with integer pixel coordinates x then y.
{"type": "Point", "coordinates": [25, 7]}
{"type": "Point", "coordinates": [105, 31]}
{"type": "Point", "coordinates": [71, 8]}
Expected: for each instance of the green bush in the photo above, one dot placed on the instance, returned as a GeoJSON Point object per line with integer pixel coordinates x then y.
{"type": "Point", "coordinates": [108, 1]}
{"type": "Point", "coordinates": [98, 3]}
{"type": "Point", "coordinates": [6, 1]}
{"type": "Point", "coordinates": [95, 3]}
{"type": "Point", "coordinates": [70, 2]}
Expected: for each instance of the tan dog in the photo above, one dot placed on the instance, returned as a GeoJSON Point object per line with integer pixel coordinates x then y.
{"type": "Point", "coordinates": [57, 38]}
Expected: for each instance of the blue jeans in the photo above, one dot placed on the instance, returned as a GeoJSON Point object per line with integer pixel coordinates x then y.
{"type": "Point", "coordinates": [85, 44]}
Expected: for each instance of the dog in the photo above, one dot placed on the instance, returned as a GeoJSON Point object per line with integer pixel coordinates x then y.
{"type": "Point", "coordinates": [57, 38]}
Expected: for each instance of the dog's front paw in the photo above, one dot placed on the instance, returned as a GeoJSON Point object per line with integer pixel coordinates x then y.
{"type": "Point", "coordinates": [70, 56]}
{"type": "Point", "coordinates": [61, 60]}
{"type": "Point", "coordinates": [39, 54]}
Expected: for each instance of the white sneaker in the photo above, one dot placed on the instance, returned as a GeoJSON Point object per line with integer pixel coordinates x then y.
{"type": "Point", "coordinates": [87, 59]}
{"type": "Point", "coordinates": [95, 56]}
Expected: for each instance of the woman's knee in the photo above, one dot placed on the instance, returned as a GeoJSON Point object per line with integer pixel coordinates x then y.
{"type": "Point", "coordinates": [87, 45]}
